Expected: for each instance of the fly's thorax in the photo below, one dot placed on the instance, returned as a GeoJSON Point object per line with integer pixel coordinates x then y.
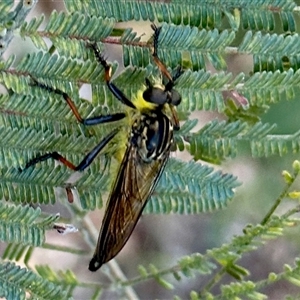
{"type": "Point", "coordinates": [152, 135]}
{"type": "Point", "coordinates": [141, 104]}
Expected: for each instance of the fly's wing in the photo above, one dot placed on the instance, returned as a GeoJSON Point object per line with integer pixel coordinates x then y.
{"type": "Point", "coordinates": [133, 187]}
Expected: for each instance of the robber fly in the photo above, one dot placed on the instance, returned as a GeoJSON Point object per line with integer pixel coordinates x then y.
{"type": "Point", "coordinates": [148, 148]}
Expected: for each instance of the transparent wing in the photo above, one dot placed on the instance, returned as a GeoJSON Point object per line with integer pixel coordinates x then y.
{"type": "Point", "coordinates": [135, 182]}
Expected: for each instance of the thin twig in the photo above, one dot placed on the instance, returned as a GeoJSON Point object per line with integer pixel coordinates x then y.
{"type": "Point", "coordinates": [64, 249]}
{"type": "Point", "coordinates": [278, 201]}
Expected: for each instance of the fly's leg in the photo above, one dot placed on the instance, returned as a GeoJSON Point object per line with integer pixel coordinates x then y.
{"type": "Point", "coordinates": [156, 59]}
{"type": "Point", "coordinates": [88, 121]}
{"type": "Point", "coordinates": [108, 70]}
{"type": "Point", "coordinates": [87, 160]}
{"type": "Point", "coordinates": [169, 86]}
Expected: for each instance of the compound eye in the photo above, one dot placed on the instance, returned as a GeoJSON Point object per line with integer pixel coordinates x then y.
{"type": "Point", "coordinates": [175, 98]}
{"type": "Point", "coordinates": [155, 95]}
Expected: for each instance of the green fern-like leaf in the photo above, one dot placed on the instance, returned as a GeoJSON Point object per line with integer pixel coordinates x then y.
{"type": "Point", "coordinates": [281, 85]}
{"type": "Point", "coordinates": [45, 65]}
{"type": "Point", "coordinates": [292, 274]}
{"type": "Point", "coordinates": [260, 15]}
{"type": "Point", "coordinates": [38, 185]}
{"type": "Point", "coordinates": [17, 252]}
{"type": "Point", "coordinates": [31, 30]}
{"type": "Point", "coordinates": [19, 224]}
{"type": "Point", "coordinates": [191, 188]}
{"type": "Point", "coordinates": [271, 52]}
{"type": "Point", "coordinates": [65, 279]}
{"type": "Point", "coordinates": [131, 10]}
{"type": "Point", "coordinates": [74, 25]}
{"type": "Point", "coordinates": [68, 33]}
{"type": "Point", "coordinates": [254, 14]}
{"type": "Point", "coordinates": [17, 283]}
{"type": "Point", "coordinates": [276, 145]}
{"type": "Point", "coordinates": [218, 140]}
{"type": "Point", "coordinates": [252, 238]}
{"type": "Point", "coordinates": [176, 41]}
{"type": "Point", "coordinates": [5, 8]}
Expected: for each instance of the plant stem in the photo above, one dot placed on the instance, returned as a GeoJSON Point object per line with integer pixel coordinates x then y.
{"type": "Point", "coordinates": [291, 212]}
{"type": "Point", "coordinates": [278, 201]}
{"type": "Point", "coordinates": [217, 277]}
{"type": "Point", "coordinates": [64, 249]}
{"type": "Point", "coordinates": [160, 273]}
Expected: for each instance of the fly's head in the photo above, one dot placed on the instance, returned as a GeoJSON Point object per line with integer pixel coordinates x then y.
{"type": "Point", "coordinates": [160, 95]}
